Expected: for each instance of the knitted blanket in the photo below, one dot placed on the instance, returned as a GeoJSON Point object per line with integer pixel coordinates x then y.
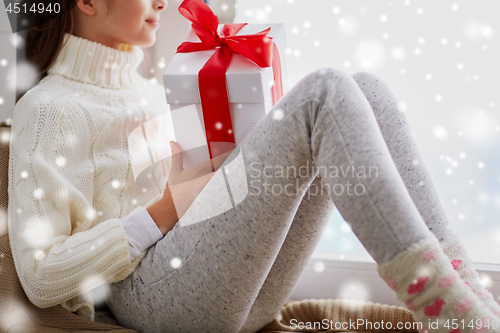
{"type": "Point", "coordinates": [340, 315]}
{"type": "Point", "coordinates": [19, 315]}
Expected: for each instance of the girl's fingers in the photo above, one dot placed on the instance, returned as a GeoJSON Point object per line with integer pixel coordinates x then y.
{"type": "Point", "coordinates": [177, 159]}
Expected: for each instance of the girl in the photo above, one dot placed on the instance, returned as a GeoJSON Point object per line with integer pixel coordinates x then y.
{"type": "Point", "coordinates": [77, 218]}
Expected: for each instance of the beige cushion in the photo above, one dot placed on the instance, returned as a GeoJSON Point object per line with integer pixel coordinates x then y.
{"type": "Point", "coordinates": [4, 172]}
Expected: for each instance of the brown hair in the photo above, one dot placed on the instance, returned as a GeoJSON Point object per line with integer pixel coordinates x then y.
{"type": "Point", "coordinates": [45, 39]}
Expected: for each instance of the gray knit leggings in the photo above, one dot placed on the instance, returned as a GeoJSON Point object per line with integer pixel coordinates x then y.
{"type": "Point", "coordinates": [238, 268]}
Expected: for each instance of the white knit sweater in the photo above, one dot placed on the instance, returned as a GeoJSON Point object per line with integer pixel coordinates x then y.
{"type": "Point", "coordinates": [71, 186]}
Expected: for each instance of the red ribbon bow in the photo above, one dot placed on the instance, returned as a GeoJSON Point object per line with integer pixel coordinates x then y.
{"type": "Point", "coordinates": [212, 77]}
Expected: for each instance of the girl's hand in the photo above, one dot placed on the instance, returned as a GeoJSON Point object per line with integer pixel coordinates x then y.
{"type": "Point", "coordinates": [185, 185]}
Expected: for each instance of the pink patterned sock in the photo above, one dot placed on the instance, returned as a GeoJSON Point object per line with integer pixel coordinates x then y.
{"type": "Point", "coordinates": [424, 279]}
{"type": "Point", "coordinates": [453, 248]}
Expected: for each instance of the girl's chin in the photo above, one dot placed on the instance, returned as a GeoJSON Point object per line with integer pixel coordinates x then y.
{"type": "Point", "coordinates": [148, 40]}
{"type": "Point", "coordinates": [151, 41]}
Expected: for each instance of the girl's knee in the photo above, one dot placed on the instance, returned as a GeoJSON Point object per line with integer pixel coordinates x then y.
{"type": "Point", "coordinates": [323, 82]}
{"type": "Point", "coordinates": [384, 104]}
{"type": "Point", "coordinates": [364, 77]}
{"type": "Point", "coordinates": [328, 74]}
{"type": "Point", "coordinates": [367, 80]}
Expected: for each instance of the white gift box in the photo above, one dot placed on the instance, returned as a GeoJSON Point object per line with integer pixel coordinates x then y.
{"type": "Point", "coordinates": [248, 87]}
{"type": "Point", "coordinates": [246, 82]}
{"type": "Point", "coordinates": [149, 150]}
{"type": "Point", "coordinates": [190, 132]}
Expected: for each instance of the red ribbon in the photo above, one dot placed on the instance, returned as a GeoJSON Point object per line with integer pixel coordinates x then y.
{"type": "Point", "coordinates": [212, 77]}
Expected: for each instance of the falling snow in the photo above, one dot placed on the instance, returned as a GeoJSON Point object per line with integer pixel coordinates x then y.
{"type": "Point", "coordinates": [355, 290]}
{"type": "Point", "coordinates": [25, 74]}
{"type": "Point", "coordinates": [175, 262]}
{"type": "Point", "coordinates": [319, 266]}
{"type": "Point", "coordinates": [38, 193]}
{"type": "Point", "coordinates": [61, 161]}
{"type": "Point", "coordinates": [278, 114]}
{"type": "Point", "coordinates": [442, 77]}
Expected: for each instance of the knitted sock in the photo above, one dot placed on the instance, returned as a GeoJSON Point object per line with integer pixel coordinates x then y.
{"type": "Point", "coordinates": [452, 247]}
{"type": "Point", "coordinates": [424, 279]}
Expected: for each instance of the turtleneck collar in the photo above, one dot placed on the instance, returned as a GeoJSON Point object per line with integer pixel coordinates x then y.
{"type": "Point", "coordinates": [90, 62]}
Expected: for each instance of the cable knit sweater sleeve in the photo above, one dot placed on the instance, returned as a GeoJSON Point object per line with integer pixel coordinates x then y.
{"type": "Point", "coordinates": [58, 251]}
